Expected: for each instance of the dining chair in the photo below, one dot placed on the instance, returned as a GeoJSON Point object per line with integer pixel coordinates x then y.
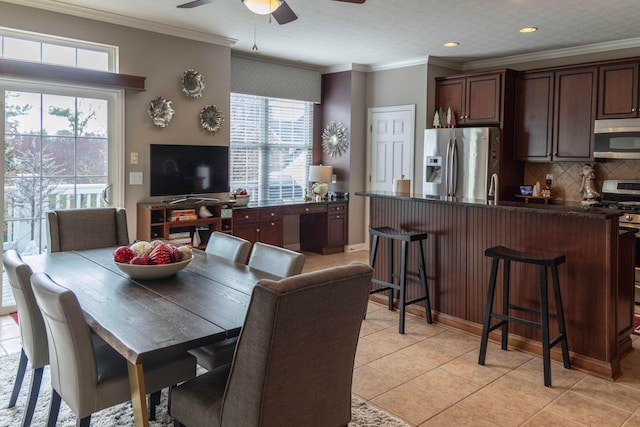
{"type": "Point", "coordinates": [272, 259]}
{"type": "Point", "coordinates": [234, 249]}
{"type": "Point", "coordinates": [275, 260]}
{"type": "Point", "coordinates": [87, 374]}
{"type": "Point", "coordinates": [294, 361]}
{"type": "Point", "coordinates": [229, 247]}
{"type": "Point", "coordinates": [78, 229]}
{"type": "Point", "coordinates": [33, 335]}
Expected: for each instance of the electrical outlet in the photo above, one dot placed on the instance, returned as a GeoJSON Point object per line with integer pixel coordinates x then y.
{"type": "Point", "coordinates": [549, 179]}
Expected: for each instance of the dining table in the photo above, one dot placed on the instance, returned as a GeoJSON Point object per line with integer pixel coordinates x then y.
{"type": "Point", "coordinates": [150, 319]}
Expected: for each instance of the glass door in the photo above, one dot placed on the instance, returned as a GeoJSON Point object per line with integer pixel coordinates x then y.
{"type": "Point", "coordinates": [56, 156]}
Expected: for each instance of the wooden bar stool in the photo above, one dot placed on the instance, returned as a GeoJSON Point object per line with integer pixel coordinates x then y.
{"type": "Point", "coordinates": [405, 237]}
{"type": "Point", "coordinates": [544, 261]}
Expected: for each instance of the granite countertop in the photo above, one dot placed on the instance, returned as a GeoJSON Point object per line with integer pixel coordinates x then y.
{"type": "Point", "coordinates": [556, 208]}
{"type": "Point", "coordinates": [290, 203]}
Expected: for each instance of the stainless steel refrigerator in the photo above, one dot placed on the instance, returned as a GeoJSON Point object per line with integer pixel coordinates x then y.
{"type": "Point", "coordinates": [462, 163]}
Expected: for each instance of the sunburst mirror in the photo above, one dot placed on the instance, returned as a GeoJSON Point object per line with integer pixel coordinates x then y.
{"type": "Point", "coordinates": [334, 139]}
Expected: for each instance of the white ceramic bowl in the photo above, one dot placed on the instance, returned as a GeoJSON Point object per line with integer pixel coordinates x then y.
{"type": "Point", "coordinates": [148, 272]}
{"type": "Point", "coordinates": [242, 200]}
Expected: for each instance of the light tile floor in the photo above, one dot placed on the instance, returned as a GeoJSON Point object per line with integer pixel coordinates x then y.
{"type": "Point", "coordinates": [430, 377]}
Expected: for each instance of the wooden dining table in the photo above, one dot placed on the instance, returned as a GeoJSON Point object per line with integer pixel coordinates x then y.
{"type": "Point", "coordinates": [150, 319]}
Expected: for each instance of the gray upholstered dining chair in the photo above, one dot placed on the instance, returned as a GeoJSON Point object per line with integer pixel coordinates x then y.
{"type": "Point", "coordinates": [88, 375]}
{"type": "Point", "coordinates": [275, 260]}
{"type": "Point", "coordinates": [78, 229]}
{"type": "Point", "coordinates": [294, 361]}
{"type": "Point", "coordinates": [272, 259]}
{"type": "Point", "coordinates": [229, 247]}
{"type": "Point", "coordinates": [32, 332]}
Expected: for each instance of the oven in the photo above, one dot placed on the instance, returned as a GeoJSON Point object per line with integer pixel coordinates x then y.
{"type": "Point", "coordinates": [624, 195]}
{"type": "Point", "coordinates": [631, 222]}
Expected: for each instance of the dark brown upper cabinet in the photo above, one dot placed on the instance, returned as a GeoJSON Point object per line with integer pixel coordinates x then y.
{"type": "Point", "coordinates": [618, 96]}
{"type": "Point", "coordinates": [475, 99]}
{"type": "Point", "coordinates": [554, 114]}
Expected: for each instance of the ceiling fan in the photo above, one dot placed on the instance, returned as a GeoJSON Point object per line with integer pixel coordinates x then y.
{"type": "Point", "coordinates": [279, 9]}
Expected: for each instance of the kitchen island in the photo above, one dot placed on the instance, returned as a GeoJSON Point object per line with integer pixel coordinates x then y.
{"type": "Point", "coordinates": [596, 281]}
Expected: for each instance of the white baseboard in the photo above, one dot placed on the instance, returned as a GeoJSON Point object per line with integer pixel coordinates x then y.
{"type": "Point", "coordinates": [356, 247]}
{"type": "Point", "coordinates": [293, 247]}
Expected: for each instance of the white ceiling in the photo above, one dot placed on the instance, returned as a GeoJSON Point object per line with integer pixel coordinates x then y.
{"type": "Point", "coordinates": [331, 34]}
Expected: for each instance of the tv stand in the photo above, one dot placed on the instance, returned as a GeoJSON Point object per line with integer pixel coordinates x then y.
{"type": "Point", "coordinates": [156, 220]}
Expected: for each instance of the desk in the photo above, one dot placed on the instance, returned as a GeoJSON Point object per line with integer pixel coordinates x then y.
{"type": "Point", "coordinates": [204, 303]}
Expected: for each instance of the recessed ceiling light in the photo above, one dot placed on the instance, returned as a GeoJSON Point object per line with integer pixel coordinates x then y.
{"type": "Point", "coordinates": [528, 29]}
{"type": "Point", "coordinates": [450, 44]}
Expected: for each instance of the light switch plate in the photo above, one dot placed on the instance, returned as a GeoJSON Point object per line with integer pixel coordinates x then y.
{"type": "Point", "coordinates": [134, 158]}
{"type": "Point", "coordinates": [135, 178]}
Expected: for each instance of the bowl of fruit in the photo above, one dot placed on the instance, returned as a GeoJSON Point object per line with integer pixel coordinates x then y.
{"type": "Point", "coordinates": [241, 196]}
{"type": "Point", "coordinates": [151, 260]}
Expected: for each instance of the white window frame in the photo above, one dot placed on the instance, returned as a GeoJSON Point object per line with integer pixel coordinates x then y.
{"type": "Point", "coordinates": [115, 99]}
{"type": "Point", "coordinates": [113, 52]}
{"type": "Point", "coordinates": [264, 147]}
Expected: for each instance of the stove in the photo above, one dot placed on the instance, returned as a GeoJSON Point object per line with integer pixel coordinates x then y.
{"type": "Point", "coordinates": [624, 195]}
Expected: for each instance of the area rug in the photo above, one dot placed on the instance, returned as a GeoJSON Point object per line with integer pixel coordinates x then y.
{"type": "Point", "coordinates": [362, 414]}
{"type": "Point", "coordinates": [14, 316]}
{"type": "Point", "coordinates": [636, 324]}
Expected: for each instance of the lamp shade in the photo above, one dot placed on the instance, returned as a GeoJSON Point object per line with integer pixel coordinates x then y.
{"type": "Point", "coordinates": [262, 7]}
{"type": "Point", "coordinates": [320, 173]}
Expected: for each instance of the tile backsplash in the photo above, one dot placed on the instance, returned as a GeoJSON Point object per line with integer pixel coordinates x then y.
{"type": "Point", "coordinates": [567, 179]}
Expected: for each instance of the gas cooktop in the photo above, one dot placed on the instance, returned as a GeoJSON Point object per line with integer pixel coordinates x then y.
{"type": "Point", "coordinates": [622, 194]}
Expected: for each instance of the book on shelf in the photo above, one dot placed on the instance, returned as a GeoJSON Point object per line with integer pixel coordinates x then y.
{"type": "Point", "coordinates": [183, 215]}
{"type": "Point", "coordinates": [179, 235]}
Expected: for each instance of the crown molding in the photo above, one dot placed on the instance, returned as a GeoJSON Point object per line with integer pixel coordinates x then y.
{"type": "Point", "coordinates": [346, 67]}
{"type": "Point", "coordinates": [552, 54]}
{"type": "Point", "coordinates": [127, 21]}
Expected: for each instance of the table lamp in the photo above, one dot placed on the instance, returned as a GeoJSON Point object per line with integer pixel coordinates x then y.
{"type": "Point", "coordinates": [320, 175]}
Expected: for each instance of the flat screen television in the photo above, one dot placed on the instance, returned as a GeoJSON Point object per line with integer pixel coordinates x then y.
{"type": "Point", "coordinates": [182, 170]}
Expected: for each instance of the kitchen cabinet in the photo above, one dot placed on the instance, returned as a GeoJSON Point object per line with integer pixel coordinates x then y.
{"type": "Point", "coordinates": [324, 232]}
{"type": "Point", "coordinates": [533, 116]}
{"type": "Point", "coordinates": [618, 96]}
{"type": "Point", "coordinates": [554, 114]}
{"type": "Point", "coordinates": [259, 225]}
{"type": "Point", "coordinates": [574, 113]}
{"type": "Point", "coordinates": [476, 99]}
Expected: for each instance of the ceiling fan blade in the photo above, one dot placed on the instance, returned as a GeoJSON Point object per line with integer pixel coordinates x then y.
{"type": "Point", "coordinates": [195, 3]}
{"type": "Point", "coordinates": [284, 14]}
{"type": "Point", "coordinates": [353, 1]}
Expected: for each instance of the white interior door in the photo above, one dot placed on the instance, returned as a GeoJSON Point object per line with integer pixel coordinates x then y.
{"type": "Point", "coordinates": [391, 146]}
{"type": "Point", "coordinates": [390, 149]}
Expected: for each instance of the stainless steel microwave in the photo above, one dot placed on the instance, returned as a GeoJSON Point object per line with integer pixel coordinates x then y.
{"type": "Point", "coordinates": [617, 139]}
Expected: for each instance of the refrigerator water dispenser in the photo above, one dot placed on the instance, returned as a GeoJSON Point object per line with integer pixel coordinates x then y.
{"type": "Point", "coordinates": [433, 171]}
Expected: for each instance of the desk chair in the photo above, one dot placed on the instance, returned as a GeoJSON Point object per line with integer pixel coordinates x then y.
{"type": "Point", "coordinates": [294, 361]}
{"type": "Point", "coordinates": [32, 332]}
{"type": "Point", "coordinates": [275, 260]}
{"type": "Point", "coordinates": [78, 229]}
{"type": "Point", "coordinates": [90, 376]}
{"type": "Point", "coordinates": [229, 247]}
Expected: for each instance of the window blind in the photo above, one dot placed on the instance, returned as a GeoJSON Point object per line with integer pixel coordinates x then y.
{"type": "Point", "coordinates": [270, 147]}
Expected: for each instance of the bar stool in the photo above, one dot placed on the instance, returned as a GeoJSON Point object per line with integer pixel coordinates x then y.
{"type": "Point", "coordinates": [544, 261]}
{"type": "Point", "coordinates": [405, 237]}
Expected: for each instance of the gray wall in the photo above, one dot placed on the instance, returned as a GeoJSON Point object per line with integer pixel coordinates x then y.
{"type": "Point", "coordinates": [161, 59]}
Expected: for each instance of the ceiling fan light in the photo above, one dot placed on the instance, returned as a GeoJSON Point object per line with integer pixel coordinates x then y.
{"type": "Point", "coordinates": [262, 7]}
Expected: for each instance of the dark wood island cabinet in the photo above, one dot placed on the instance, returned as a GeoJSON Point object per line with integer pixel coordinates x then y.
{"type": "Point", "coordinates": [596, 281]}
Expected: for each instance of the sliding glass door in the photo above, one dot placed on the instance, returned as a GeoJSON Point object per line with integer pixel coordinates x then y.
{"type": "Point", "coordinates": [58, 144]}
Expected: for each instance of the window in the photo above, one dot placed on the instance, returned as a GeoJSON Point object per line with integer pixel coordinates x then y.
{"type": "Point", "coordinates": [271, 146]}
{"type": "Point", "coordinates": [26, 46]}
